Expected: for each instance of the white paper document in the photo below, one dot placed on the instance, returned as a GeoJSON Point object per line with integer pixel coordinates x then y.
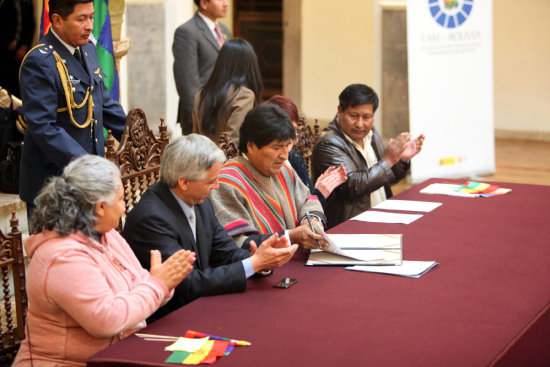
{"type": "Point", "coordinates": [446, 189]}
{"type": "Point", "coordinates": [351, 249]}
{"type": "Point", "coordinates": [385, 217]}
{"type": "Point", "coordinates": [409, 205]}
{"type": "Point", "coordinates": [411, 269]}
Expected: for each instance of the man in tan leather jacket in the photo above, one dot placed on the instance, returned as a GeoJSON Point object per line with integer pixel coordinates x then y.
{"type": "Point", "coordinates": [351, 139]}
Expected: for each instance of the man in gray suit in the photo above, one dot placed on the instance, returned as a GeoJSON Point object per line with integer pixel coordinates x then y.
{"type": "Point", "coordinates": [196, 46]}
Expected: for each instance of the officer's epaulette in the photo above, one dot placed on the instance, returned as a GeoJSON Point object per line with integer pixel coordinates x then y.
{"type": "Point", "coordinates": [41, 48]}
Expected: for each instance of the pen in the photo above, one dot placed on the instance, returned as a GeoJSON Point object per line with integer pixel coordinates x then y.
{"type": "Point", "coordinates": [313, 229]}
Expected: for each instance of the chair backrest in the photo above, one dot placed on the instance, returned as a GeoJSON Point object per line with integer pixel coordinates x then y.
{"type": "Point", "coordinates": [228, 146]}
{"type": "Point", "coordinates": [306, 136]}
{"type": "Point", "coordinates": [138, 155]}
{"type": "Point", "coordinates": [11, 255]}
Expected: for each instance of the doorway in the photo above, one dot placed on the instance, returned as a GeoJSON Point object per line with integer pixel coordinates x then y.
{"type": "Point", "coordinates": [260, 22]}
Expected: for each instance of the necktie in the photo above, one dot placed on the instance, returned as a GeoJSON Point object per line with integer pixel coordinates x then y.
{"type": "Point", "coordinates": [78, 55]}
{"type": "Point", "coordinates": [193, 223]}
{"type": "Point", "coordinates": [219, 36]}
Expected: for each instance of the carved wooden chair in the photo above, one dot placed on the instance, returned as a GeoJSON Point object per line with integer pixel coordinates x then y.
{"type": "Point", "coordinates": [228, 146]}
{"type": "Point", "coordinates": [306, 136]}
{"type": "Point", "coordinates": [138, 156]}
{"type": "Point", "coordinates": [11, 255]}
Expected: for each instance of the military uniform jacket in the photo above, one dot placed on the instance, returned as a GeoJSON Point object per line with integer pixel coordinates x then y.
{"type": "Point", "coordinates": [52, 137]}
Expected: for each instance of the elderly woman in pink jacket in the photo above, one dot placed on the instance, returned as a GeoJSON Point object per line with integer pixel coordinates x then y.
{"type": "Point", "coordinates": [86, 288]}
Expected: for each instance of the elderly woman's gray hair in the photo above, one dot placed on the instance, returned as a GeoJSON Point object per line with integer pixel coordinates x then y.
{"type": "Point", "coordinates": [67, 203]}
{"type": "Point", "coordinates": [189, 157]}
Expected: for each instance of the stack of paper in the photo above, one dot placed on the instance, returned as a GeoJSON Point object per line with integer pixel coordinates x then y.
{"type": "Point", "coordinates": [411, 269]}
{"type": "Point", "coordinates": [358, 249]}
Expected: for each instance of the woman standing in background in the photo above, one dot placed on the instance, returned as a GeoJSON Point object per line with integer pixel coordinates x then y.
{"type": "Point", "coordinates": [232, 90]}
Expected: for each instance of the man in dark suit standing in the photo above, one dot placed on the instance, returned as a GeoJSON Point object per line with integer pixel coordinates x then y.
{"type": "Point", "coordinates": [65, 101]}
{"type": "Point", "coordinates": [196, 46]}
{"type": "Point", "coordinates": [176, 213]}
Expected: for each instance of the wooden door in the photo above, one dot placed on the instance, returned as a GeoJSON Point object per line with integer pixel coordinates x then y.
{"type": "Point", "coordinates": [260, 23]}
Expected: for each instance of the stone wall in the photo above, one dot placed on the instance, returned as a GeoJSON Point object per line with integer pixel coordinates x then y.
{"type": "Point", "coordinates": [395, 86]}
{"type": "Point", "coordinates": [146, 61]}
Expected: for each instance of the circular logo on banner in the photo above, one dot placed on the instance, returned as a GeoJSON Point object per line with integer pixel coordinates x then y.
{"type": "Point", "coordinates": [450, 13]}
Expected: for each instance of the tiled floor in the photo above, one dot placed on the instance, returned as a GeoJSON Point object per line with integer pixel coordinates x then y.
{"type": "Point", "coordinates": [522, 162]}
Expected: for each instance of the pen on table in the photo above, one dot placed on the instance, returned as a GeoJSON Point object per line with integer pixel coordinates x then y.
{"type": "Point", "coordinates": [313, 229]}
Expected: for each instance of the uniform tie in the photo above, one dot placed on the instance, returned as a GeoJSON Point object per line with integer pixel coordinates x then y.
{"type": "Point", "coordinates": [78, 56]}
{"type": "Point", "coordinates": [219, 36]}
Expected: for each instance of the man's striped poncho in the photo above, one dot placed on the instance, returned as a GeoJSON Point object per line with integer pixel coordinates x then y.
{"type": "Point", "coordinates": [248, 202]}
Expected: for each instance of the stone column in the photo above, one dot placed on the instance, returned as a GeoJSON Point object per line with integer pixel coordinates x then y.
{"type": "Point", "coordinates": [121, 46]}
{"type": "Point", "coordinates": [150, 24]}
{"type": "Point", "coordinates": [394, 93]}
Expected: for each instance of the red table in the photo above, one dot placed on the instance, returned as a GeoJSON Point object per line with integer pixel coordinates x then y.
{"type": "Point", "coordinates": [487, 304]}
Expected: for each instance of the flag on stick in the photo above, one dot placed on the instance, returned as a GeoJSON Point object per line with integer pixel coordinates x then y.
{"type": "Point", "coordinates": [45, 18]}
{"type": "Point", "coordinates": [104, 46]}
{"type": "Point", "coordinates": [196, 347]}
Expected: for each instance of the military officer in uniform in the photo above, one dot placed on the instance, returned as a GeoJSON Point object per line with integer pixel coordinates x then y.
{"type": "Point", "coordinates": [65, 101]}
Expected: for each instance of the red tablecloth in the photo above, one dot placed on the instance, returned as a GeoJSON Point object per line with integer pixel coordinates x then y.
{"type": "Point", "coordinates": [487, 304]}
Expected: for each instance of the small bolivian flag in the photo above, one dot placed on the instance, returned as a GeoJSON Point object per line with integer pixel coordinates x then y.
{"type": "Point", "coordinates": [200, 348]}
{"type": "Point", "coordinates": [207, 354]}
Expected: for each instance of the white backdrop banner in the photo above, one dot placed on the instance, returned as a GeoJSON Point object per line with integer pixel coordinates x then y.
{"type": "Point", "coordinates": [450, 56]}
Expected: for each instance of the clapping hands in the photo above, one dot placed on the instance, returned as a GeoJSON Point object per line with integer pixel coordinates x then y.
{"type": "Point", "coordinates": [412, 148]}
{"type": "Point", "coordinates": [331, 179]}
{"type": "Point", "coordinates": [273, 253]}
{"type": "Point", "coordinates": [402, 147]}
{"type": "Point", "coordinates": [174, 269]}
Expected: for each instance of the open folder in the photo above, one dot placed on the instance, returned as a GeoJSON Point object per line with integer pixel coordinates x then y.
{"type": "Point", "coordinates": [358, 249]}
